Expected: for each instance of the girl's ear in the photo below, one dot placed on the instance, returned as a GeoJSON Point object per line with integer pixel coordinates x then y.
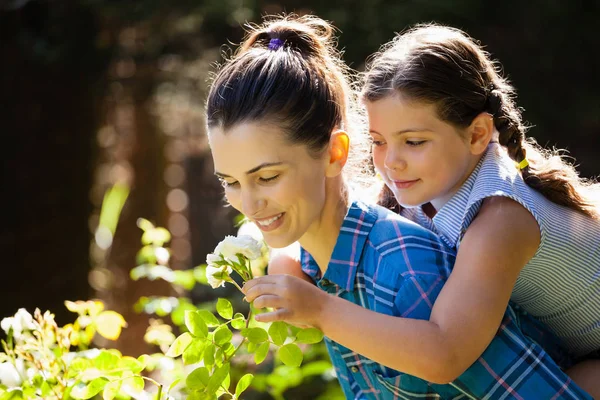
{"type": "Point", "coordinates": [481, 132]}
{"type": "Point", "coordinates": [339, 144]}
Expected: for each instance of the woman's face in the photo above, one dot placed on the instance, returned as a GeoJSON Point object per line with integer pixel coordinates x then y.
{"type": "Point", "coordinates": [277, 185]}
{"type": "Point", "coordinates": [420, 157]}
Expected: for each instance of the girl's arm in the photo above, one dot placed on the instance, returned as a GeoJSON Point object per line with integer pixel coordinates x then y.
{"type": "Point", "coordinates": [465, 317]}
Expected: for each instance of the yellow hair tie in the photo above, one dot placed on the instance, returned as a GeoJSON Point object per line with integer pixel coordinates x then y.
{"type": "Point", "coordinates": [523, 164]}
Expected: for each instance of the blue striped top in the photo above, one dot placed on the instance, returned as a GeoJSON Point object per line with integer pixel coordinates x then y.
{"type": "Point", "coordinates": [560, 285]}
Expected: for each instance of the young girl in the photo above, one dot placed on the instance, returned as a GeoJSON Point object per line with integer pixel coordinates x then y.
{"type": "Point", "coordinates": [277, 116]}
{"type": "Point", "coordinates": [450, 146]}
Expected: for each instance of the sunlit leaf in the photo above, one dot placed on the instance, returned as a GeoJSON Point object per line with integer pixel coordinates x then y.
{"type": "Point", "coordinates": [197, 379]}
{"type": "Point", "coordinates": [238, 321]}
{"type": "Point", "coordinates": [316, 368]}
{"type": "Point", "coordinates": [194, 352]}
{"type": "Point", "coordinates": [243, 384]}
{"type": "Point", "coordinates": [224, 308]}
{"type": "Point", "coordinates": [109, 324]}
{"type": "Point", "coordinates": [261, 352]}
{"type": "Point", "coordinates": [290, 354]}
{"type": "Point", "coordinates": [131, 364]}
{"type": "Point", "coordinates": [217, 378]}
{"type": "Point", "coordinates": [222, 335]}
{"type": "Point", "coordinates": [89, 390]}
{"type": "Point", "coordinates": [209, 318]}
{"type": "Point", "coordinates": [179, 345]}
{"type": "Point", "coordinates": [106, 361]}
{"type": "Point", "coordinates": [255, 335]}
{"type": "Point", "coordinates": [111, 390]}
{"type": "Point", "coordinates": [195, 324]}
{"type": "Point", "coordinates": [309, 336]}
{"type": "Point", "coordinates": [278, 332]}
{"type": "Point", "coordinates": [209, 354]}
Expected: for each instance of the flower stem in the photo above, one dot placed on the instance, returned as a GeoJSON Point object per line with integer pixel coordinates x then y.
{"type": "Point", "coordinates": [236, 285]}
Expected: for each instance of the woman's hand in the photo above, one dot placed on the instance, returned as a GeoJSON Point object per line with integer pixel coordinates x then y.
{"type": "Point", "coordinates": [293, 299]}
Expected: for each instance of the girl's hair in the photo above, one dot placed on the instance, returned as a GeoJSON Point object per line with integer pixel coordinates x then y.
{"type": "Point", "coordinates": [287, 72]}
{"type": "Point", "coordinates": [444, 66]}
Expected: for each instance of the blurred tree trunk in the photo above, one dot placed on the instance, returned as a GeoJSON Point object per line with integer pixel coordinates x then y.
{"type": "Point", "coordinates": [48, 119]}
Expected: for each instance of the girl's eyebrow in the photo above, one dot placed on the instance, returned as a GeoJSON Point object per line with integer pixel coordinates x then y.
{"type": "Point", "coordinates": [253, 170]}
{"type": "Point", "coordinates": [409, 130]}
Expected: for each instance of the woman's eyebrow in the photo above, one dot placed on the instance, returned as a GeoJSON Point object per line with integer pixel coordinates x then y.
{"type": "Point", "coordinates": [403, 131]}
{"type": "Point", "coordinates": [253, 170]}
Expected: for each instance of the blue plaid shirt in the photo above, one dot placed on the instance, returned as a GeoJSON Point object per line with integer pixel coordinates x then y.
{"type": "Point", "coordinates": [390, 265]}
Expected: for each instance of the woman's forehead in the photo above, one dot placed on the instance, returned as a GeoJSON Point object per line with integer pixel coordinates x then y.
{"type": "Point", "coordinates": [245, 146]}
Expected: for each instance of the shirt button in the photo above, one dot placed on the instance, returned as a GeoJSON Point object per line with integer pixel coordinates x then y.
{"type": "Point", "coordinates": [325, 282]}
{"type": "Point", "coordinates": [354, 369]}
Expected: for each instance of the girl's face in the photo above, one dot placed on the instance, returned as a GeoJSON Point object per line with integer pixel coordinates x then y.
{"type": "Point", "coordinates": [420, 157]}
{"type": "Point", "coordinates": [277, 185]}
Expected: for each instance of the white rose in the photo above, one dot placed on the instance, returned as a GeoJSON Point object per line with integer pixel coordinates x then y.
{"type": "Point", "coordinates": [9, 375]}
{"type": "Point", "coordinates": [211, 259]}
{"type": "Point", "coordinates": [243, 244]}
{"type": "Point", "coordinates": [216, 275]}
{"type": "Point", "coordinates": [20, 322]}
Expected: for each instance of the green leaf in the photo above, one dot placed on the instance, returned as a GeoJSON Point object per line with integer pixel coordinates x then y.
{"type": "Point", "coordinates": [194, 352]}
{"type": "Point", "coordinates": [224, 308]}
{"type": "Point", "coordinates": [278, 332]}
{"type": "Point", "coordinates": [217, 378]}
{"type": "Point", "coordinates": [261, 352]}
{"type": "Point", "coordinates": [195, 324]}
{"type": "Point", "coordinates": [131, 364]}
{"type": "Point", "coordinates": [290, 354]}
{"type": "Point", "coordinates": [238, 321]}
{"type": "Point", "coordinates": [185, 279]}
{"type": "Point", "coordinates": [209, 354]}
{"type": "Point", "coordinates": [255, 335]}
{"type": "Point", "coordinates": [222, 335]}
{"type": "Point", "coordinates": [316, 368]}
{"type": "Point", "coordinates": [209, 318]}
{"type": "Point", "coordinates": [251, 347]}
{"type": "Point", "coordinates": [90, 390]}
{"type": "Point", "coordinates": [243, 384]}
{"type": "Point", "coordinates": [106, 361]}
{"type": "Point", "coordinates": [111, 390]}
{"type": "Point", "coordinates": [197, 379]}
{"type": "Point", "coordinates": [309, 336]}
{"type": "Point", "coordinates": [179, 345]}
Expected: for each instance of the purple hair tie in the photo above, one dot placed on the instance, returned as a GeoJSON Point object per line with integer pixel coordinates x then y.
{"type": "Point", "coordinates": [275, 43]}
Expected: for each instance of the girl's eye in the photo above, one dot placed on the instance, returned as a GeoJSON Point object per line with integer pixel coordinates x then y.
{"type": "Point", "coordinates": [270, 179]}
{"type": "Point", "coordinates": [415, 143]}
{"type": "Point", "coordinates": [376, 142]}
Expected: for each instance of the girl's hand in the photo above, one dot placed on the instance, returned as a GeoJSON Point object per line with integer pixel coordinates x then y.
{"type": "Point", "coordinates": [295, 300]}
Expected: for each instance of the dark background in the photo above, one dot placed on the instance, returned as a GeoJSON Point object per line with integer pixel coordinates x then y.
{"type": "Point", "coordinates": [97, 92]}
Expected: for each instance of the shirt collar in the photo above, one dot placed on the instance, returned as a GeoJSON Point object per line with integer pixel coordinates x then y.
{"type": "Point", "coordinates": [448, 221]}
{"type": "Point", "coordinates": [347, 251]}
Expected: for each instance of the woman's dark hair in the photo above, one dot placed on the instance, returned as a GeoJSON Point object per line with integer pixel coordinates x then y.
{"type": "Point", "coordinates": [443, 66]}
{"type": "Point", "coordinates": [288, 72]}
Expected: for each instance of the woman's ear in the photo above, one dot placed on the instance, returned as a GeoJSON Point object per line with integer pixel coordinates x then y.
{"type": "Point", "coordinates": [339, 143]}
{"type": "Point", "coordinates": [481, 132]}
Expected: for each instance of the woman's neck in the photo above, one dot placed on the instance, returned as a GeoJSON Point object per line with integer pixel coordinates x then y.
{"type": "Point", "coordinates": [321, 237]}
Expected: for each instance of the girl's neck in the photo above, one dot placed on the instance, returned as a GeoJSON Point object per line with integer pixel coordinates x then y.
{"type": "Point", "coordinates": [321, 237]}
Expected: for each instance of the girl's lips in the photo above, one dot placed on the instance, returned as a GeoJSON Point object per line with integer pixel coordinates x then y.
{"type": "Point", "coordinates": [404, 184]}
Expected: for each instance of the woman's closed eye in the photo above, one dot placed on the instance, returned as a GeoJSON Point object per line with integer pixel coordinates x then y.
{"type": "Point", "coordinates": [227, 184]}
{"type": "Point", "coordinates": [269, 179]}
{"type": "Point", "coordinates": [415, 143]}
